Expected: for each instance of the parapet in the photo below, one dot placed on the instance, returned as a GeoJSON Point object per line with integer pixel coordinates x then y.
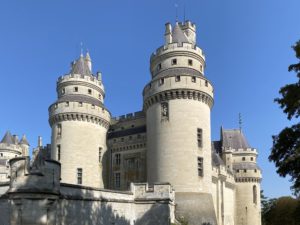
{"type": "Point", "coordinates": [130, 116]}
{"type": "Point", "coordinates": [24, 179]}
{"type": "Point", "coordinates": [91, 79]}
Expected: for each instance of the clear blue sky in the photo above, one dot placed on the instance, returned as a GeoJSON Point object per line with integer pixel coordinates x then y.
{"type": "Point", "coordinates": [247, 46]}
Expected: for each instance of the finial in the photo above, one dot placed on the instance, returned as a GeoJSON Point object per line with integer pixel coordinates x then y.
{"type": "Point", "coordinates": [176, 7]}
{"type": "Point", "coordinates": [240, 121]}
{"type": "Point", "coordinates": [81, 49]}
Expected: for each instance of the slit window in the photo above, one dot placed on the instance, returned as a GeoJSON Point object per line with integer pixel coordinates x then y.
{"type": "Point", "coordinates": [206, 83]}
{"type": "Point", "coordinates": [190, 62]}
{"type": "Point", "coordinates": [194, 79]}
{"type": "Point", "coordinates": [117, 180]}
{"type": "Point", "coordinates": [177, 78]}
{"type": "Point", "coordinates": [200, 137]}
{"type": "Point", "coordinates": [162, 81]}
{"type": "Point", "coordinates": [79, 175]}
{"type": "Point", "coordinates": [254, 194]}
{"type": "Point", "coordinates": [90, 91]}
{"type": "Point", "coordinates": [80, 104]}
{"type": "Point", "coordinates": [75, 89]}
{"type": "Point", "coordinates": [174, 61]}
{"type": "Point", "coordinates": [251, 158]}
{"type": "Point", "coordinates": [100, 154]}
{"type": "Point", "coordinates": [159, 66]}
{"type": "Point", "coordinates": [200, 166]}
{"type": "Point", "coordinates": [58, 152]}
{"type": "Point", "coordinates": [244, 159]}
{"type": "Point", "coordinates": [59, 130]}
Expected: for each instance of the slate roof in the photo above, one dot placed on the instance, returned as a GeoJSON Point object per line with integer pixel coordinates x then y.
{"type": "Point", "coordinates": [216, 159]}
{"type": "Point", "coordinates": [7, 139]}
{"type": "Point", "coordinates": [178, 35]}
{"type": "Point", "coordinates": [245, 166]}
{"type": "Point", "coordinates": [80, 98]}
{"type": "Point", "coordinates": [80, 66]}
{"type": "Point", "coordinates": [234, 139]}
{"type": "Point", "coordinates": [24, 141]}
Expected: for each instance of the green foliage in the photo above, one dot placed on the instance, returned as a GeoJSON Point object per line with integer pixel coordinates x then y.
{"type": "Point", "coordinates": [183, 221]}
{"type": "Point", "coordinates": [281, 211]}
{"type": "Point", "coordinates": [286, 145]}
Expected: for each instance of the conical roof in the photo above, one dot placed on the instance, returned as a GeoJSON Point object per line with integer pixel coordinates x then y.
{"type": "Point", "coordinates": [80, 66]}
{"type": "Point", "coordinates": [24, 140]}
{"type": "Point", "coordinates": [178, 35]}
{"type": "Point", "coordinates": [7, 139]}
{"type": "Point", "coordinates": [234, 139]}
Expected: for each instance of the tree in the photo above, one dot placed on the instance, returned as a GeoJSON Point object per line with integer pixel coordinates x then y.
{"type": "Point", "coordinates": [286, 145]}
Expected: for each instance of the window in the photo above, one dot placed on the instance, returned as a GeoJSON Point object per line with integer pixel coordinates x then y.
{"type": "Point", "coordinates": [206, 83]}
{"type": "Point", "coordinates": [58, 152]}
{"type": "Point", "coordinates": [190, 62]}
{"type": "Point", "coordinates": [237, 171]}
{"type": "Point", "coordinates": [244, 159]}
{"type": "Point", "coordinates": [159, 66]}
{"type": "Point", "coordinates": [100, 154]}
{"type": "Point", "coordinates": [55, 106]}
{"type": "Point", "coordinates": [79, 175]}
{"type": "Point", "coordinates": [99, 96]}
{"type": "Point", "coordinates": [245, 171]}
{"type": "Point", "coordinates": [200, 166]}
{"type": "Point", "coordinates": [118, 159]}
{"type": "Point", "coordinates": [115, 140]}
{"type": "Point", "coordinates": [199, 137]}
{"type": "Point", "coordinates": [177, 78]}
{"type": "Point", "coordinates": [1, 154]}
{"type": "Point", "coordinates": [162, 81]}
{"type": "Point", "coordinates": [194, 79]}
{"type": "Point", "coordinates": [59, 130]}
{"type": "Point", "coordinates": [117, 180]}
{"type": "Point", "coordinates": [80, 104]}
{"type": "Point", "coordinates": [75, 89]}
{"type": "Point", "coordinates": [67, 104]}
{"type": "Point", "coordinates": [138, 136]}
{"type": "Point", "coordinates": [122, 139]}
{"type": "Point", "coordinates": [93, 106]}
{"type": "Point", "coordinates": [90, 91]}
{"type": "Point", "coordinates": [16, 156]}
{"type": "Point", "coordinates": [201, 68]}
{"type": "Point", "coordinates": [63, 91]}
{"type": "Point", "coordinates": [132, 125]}
{"type": "Point", "coordinates": [251, 158]}
{"type": "Point", "coordinates": [254, 194]}
{"type": "Point", "coordinates": [255, 171]}
{"type": "Point", "coordinates": [174, 61]}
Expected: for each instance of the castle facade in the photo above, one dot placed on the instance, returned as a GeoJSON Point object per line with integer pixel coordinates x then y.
{"type": "Point", "coordinates": [156, 166]}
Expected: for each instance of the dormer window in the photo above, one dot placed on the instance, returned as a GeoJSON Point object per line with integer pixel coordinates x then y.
{"type": "Point", "coordinates": [174, 61]}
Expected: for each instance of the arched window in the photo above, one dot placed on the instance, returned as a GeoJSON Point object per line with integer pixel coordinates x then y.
{"type": "Point", "coordinates": [254, 194]}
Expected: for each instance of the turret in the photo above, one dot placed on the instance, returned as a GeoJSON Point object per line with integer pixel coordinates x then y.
{"type": "Point", "coordinates": [25, 145]}
{"type": "Point", "coordinates": [79, 122]}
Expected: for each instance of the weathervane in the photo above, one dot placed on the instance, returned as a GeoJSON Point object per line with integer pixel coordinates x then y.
{"type": "Point", "coordinates": [240, 121]}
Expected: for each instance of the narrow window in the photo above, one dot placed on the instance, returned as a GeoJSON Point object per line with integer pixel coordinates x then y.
{"type": "Point", "coordinates": [245, 171]}
{"type": "Point", "coordinates": [138, 136]}
{"type": "Point", "coordinates": [1, 154]}
{"type": "Point", "coordinates": [190, 62]}
{"type": "Point", "coordinates": [159, 66]}
{"type": "Point", "coordinates": [93, 106]}
{"type": "Point", "coordinates": [118, 159]}
{"type": "Point", "coordinates": [254, 194]}
{"type": "Point", "coordinates": [90, 91]}
{"type": "Point", "coordinates": [117, 180]}
{"type": "Point", "coordinates": [237, 171]}
{"type": "Point", "coordinates": [201, 68]}
{"type": "Point", "coordinates": [67, 104]}
{"type": "Point", "coordinates": [177, 78]}
{"type": "Point", "coordinates": [80, 104]}
{"type": "Point", "coordinates": [63, 91]}
{"type": "Point", "coordinates": [79, 175]}
{"type": "Point", "coordinates": [206, 83]}
{"type": "Point", "coordinates": [251, 158]}
{"type": "Point", "coordinates": [200, 137]}
{"type": "Point", "coordinates": [162, 81]}
{"type": "Point", "coordinates": [99, 96]}
{"type": "Point", "coordinates": [75, 89]}
{"type": "Point", "coordinates": [55, 106]}
{"type": "Point", "coordinates": [132, 125]}
{"type": "Point", "coordinates": [194, 79]}
{"type": "Point", "coordinates": [100, 154]}
{"type": "Point", "coordinates": [200, 166]}
{"type": "Point", "coordinates": [58, 152]}
{"type": "Point", "coordinates": [255, 171]}
{"type": "Point", "coordinates": [244, 159]}
{"type": "Point", "coordinates": [174, 61]}
{"type": "Point", "coordinates": [122, 139]}
{"type": "Point", "coordinates": [59, 130]}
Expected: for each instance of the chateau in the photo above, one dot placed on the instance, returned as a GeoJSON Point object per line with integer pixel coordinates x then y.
{"type": "Point", "coordinates": [154, 167]}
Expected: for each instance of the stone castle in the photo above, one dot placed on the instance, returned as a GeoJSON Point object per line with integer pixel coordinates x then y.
{"type": "Point", "coordinates": [156, 166]}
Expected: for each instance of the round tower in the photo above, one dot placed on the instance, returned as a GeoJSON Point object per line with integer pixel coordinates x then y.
{"type": "Point", "coordinates": [178, 102]}
{"type": "Point", "coordinates": [79, 123]}
{"type": "Point", "coordinates": [248, 177]}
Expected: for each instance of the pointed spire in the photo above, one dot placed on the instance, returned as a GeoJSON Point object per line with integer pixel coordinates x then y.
{"type": "Point", "coordinates": [24, 141]}
{"type": "Point", "coordinates": [178, 36]}
{"type": "Point", "coordinates": [7, 139]}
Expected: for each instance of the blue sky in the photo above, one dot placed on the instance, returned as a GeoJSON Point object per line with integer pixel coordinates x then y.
{"type": "Point", "coordinates": [247, 46]}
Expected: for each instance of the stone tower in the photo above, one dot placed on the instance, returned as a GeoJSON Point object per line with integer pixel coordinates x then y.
{"type": "Point", "coordinates": [178, 102]}
{"type": "Point", "coordinates": [240, 158]}
{"type": "Point", "coordinates": [79, 123]}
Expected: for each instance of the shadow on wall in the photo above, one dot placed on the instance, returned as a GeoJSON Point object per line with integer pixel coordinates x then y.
{"type": "Point", "coordinates": [156, 215]}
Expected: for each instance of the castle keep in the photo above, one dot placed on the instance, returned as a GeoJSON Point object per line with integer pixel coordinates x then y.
{"type": "Point", "coordinates": [156, 166]}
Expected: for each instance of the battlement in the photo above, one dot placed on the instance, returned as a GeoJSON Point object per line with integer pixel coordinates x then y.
{"type": "Point", "coordinates": [129, 116]}
{"type": "Point", "coordinates": [241, 150]}
{"type": "Point", "coordinates": [11, 147]}
{"type": "Point", "coordinates": [143, 191]}
{"type": "Point", "coordinates": [44, 179]}
{"type": "Point", "coordinates": [178, 47]}
{"type": "Point", "coordinates": [78, 77]}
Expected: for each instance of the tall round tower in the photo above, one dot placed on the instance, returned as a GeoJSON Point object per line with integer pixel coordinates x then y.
{"type": "Point", "coordinates": [178, 102]}
{"type": "Point", "coordinates": [79, 123]}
